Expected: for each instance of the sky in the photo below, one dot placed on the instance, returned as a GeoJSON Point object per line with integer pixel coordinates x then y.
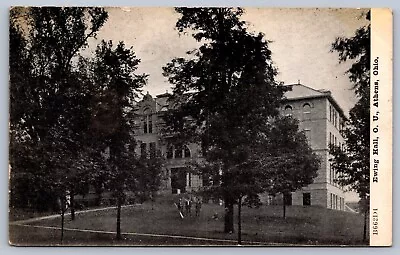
{"type": "Point", "coordinates": [301, 43]}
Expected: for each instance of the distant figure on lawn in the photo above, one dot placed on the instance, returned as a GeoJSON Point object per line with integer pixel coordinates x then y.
{"type": "Point", "coordinates": [180, 207]}
{"type": "Point", "coordinates": [198, 206]}
{"type": "Point", "coordinates": [188, 206]}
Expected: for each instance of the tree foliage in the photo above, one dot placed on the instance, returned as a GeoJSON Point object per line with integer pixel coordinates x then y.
{"type": "Point", "coordinates": [71, 116]}
{"type": "Point", "coordinates": [48, 95]}
{"type": "Point", "coordinates": [290, 162]}
{"type": "Point", "coordinates": [225, 96]}
{"type": "Point", "coordinates": [118, 85]}
{"type": "Point", "coordinates": [352, 164]}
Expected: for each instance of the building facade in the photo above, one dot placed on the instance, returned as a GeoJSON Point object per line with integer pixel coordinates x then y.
{"type": "Point", "coordinates": [148, 128]}
{"type": "Point", "coordinates": [319, 115]}
{"type": "Point", "coordinates": [321, 119]}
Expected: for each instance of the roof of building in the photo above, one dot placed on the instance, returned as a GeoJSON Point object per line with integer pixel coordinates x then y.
{"type": "Point", "coordinates": [300, 91]}
{"type": "Point", "coordinates": [295, 92]}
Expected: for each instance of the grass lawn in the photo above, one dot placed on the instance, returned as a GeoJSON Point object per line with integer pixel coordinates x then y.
{"type": "Point", "coordinates": [303, 225]}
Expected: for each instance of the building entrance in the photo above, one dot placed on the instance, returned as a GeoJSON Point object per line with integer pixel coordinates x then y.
{"type": "Point", "coordinates": [178, 180]}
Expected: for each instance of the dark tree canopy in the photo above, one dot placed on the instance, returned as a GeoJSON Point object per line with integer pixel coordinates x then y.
{"type": "Point", "coordinates": [225, 95]}
{"type": "Point", "coordinates": [71, 116]}
{"type": "Point", "coordinates": [290, 162]}
{"type": "Point", "coordinates": [48, 95]}
{"type": "Point", "coordinates": [118, 86]}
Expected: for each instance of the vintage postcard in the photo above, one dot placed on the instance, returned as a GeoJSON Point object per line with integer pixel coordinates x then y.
{"type": "Point", "coordinates": [200, 126]}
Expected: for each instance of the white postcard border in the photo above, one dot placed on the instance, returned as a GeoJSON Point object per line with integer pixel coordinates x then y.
{"type": "Point", "coordinates": [381, 127]}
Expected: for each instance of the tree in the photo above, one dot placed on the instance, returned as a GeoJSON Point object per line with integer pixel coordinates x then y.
{"type": "Point", "coordinates": [290, 162]}
{"type": "Point", "coordinates": [231, 66]}
{"type": "Point", "coordinates": [150, 175]}
{"type": "Point", "coordinates": [114, 70]}
{"type": "Point", "coordinates": [48, 110]}
{"type": "Point", "coordinates": [352, 164]}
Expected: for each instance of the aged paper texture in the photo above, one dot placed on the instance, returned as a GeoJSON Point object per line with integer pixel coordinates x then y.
{"type": "Point", "coordinates": [381, 126]}
{"type": "Point", "coordinates": [161, 126]}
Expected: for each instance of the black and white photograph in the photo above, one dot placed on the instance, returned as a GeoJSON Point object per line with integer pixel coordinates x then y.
{"type": "Point", "coordinates": [195, 126]}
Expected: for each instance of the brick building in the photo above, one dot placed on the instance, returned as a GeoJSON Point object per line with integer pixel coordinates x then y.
{"type": "Point", "coordinates": [319, 116]}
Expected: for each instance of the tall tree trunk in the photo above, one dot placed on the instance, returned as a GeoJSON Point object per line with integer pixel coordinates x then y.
{"type": "Point", "coordinates": [228, 226]}
{"type": "Point", "coordinates": [62, 218]}
{"type": "Point", "coordinates": [152, 200]}
{"type": "Point", "coordinates": [119, 237]}
{"type": "Point", "coordinates": [284, 209]}
{"type": "Point", "coordinates": [365, 226]}
{"type": "Point", "coordinates": [240, 220]}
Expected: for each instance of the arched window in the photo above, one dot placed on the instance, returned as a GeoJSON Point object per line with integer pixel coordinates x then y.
{"type": "Point", "coordinates": [147, 121]}
{"type": "Point", "coordinates": [186, 152]}
{"type": "Point", "coordinates": [306, 107]}
{"type": "Point", "coordinates": [288, 110]}
{"type": "Point", "coordinates": [306, 111]}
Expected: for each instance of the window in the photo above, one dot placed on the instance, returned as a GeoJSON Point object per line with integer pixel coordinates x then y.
{"type": "Point", "coordinates": [152, 150]}
{"type": "Point", "coordinates": [144, 124]}
{"type": "Point", "coordinates": [190, 179]}
{"type": "Point", "coordinates": [335, 119]}
{"type": "Point", "coordinates": [178, 180]}
{"type": "Point", "coordinates": [330, 112]}
{"type": "Point", "coordinates": [288, 110]}
{"type": "Point", "coordinates": [336, 202]}
{"type": "Point", "coordinates": [331, 201]}
{"type": "Point", "coordinates": [330, 138]}
{"type": "Point", "coordinates": [178, 152]}
{"type": "Point", "coordinates": [333, 176]}
{"type": "Point", "coordinates": [307, 111]}
{"type": "Point", "coordinates": [187, 152]}
{"type": "Point", "coordinates": [150, 124]}
{"type": "Point", "coordinates": [170, 151]}
{"type": "Point", "coordinates": [287, 198]}
{"type": "Point", "coordinates": [143, 150]}
{"type": "Point", "coordinates": [334, 199]}
{"type": "Point", "coordinates": [147, 122]}
{"type": "Point", "coordinates": [307, 199]}
{"type": "Point", "coordinates": [306, 108]}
